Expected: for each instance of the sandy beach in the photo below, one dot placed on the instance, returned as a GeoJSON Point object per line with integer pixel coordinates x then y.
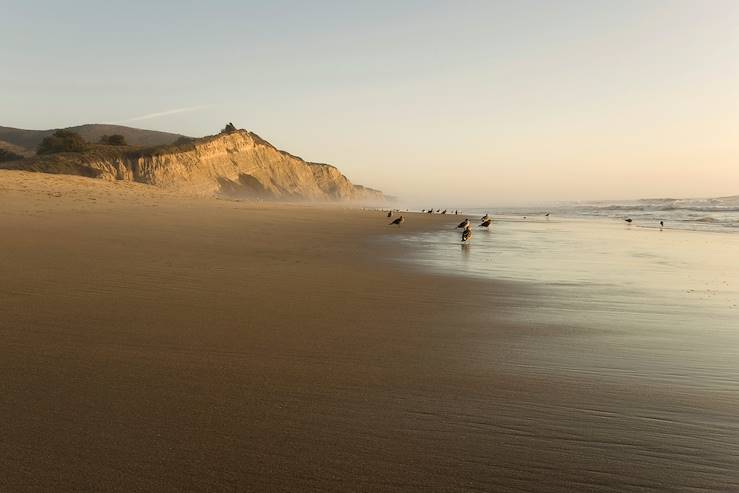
{"type": "Point", "coordinates": [155, 342]}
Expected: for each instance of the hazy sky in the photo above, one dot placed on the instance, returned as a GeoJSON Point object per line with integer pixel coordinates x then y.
{"type": "Point", "coordinates": [477, 102]}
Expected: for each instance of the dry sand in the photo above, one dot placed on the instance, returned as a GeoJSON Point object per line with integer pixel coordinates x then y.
{"type": "Point", "coordinates": [150, 342]}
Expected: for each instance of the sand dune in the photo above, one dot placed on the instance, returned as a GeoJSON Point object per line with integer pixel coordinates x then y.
{"type": "Point", "coordinates": [152, 342]}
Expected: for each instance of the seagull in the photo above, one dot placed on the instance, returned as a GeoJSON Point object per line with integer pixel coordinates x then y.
{"type": "Point", "coordinates": [466, 234]}
{"type": "Point", "coordinates": [464, 223]}
{"type": "Point", "coordinates": [628, 219]}
{"type": "Point", "coordinates": [389, 213]}
{"type": "Point", "coordinates": [398, 221]}
{"type": "Point", "coordinates": [485, 217]}
{"type": "Point", "coordinates": [486, 223]}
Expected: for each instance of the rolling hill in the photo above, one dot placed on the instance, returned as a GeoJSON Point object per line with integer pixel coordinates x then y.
{"type": "Point", "coordinates": [28, 140]}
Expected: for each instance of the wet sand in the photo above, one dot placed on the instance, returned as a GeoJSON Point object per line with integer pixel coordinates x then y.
{"type": "Point", "coordinates": [157, 343]}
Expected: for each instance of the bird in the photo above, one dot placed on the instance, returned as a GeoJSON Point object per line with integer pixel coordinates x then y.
{"type": "Point", "coordinates": [547, 214]}
{"type": "Point", "coordinates": [661, 224]}
{"type": "Point", "coordinates": [444, 211]}
{"type": "Point", "coordinates": [464, 223]}
{"type": "Point", "coordinates": [628, 220]}
{"type": "Point", "coordinates": [456, 212]}
{"type": "Point", "coordinates": [486, 224]}
{"type": "Point", "coordinates": [398, 221]}
{"type": "Point", "coordinates": [431, 211]}
{"type": "Point", "coordinates": [466, 234]}
{"type": "Point", "coordinates": [389, 213]}
{"type": "Point", "coordinates": [485, 217]}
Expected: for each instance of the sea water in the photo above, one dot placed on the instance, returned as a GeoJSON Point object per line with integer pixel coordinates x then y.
{"type": "Point", "coordinates": [707, 214]}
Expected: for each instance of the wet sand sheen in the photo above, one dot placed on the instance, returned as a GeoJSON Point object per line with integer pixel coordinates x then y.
{"type": "Point", "coordinates": [156, 343]}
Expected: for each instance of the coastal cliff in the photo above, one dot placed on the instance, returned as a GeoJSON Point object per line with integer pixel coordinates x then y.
{"type": "Point", "coordinates": [234, 164]}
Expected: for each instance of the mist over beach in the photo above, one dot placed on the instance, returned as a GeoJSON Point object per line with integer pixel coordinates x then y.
{"type": "Point", "coordinates": [408, 246]}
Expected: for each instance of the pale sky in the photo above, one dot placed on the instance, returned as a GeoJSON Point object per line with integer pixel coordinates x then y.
{"type": "Point", "coordinates": [478, 102]}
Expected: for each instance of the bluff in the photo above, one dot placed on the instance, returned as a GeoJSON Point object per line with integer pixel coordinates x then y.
{"type": "Point", "coordinates": [235, 164]}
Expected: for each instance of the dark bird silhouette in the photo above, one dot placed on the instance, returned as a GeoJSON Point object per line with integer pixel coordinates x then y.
{"type": "Point", "coordinates": [431, 211]}
{"type": "Point", "coordinates": [389, 213]}
{"type": "Point", "coordinates": [628, 220]}
{"type": "Point", "coordinates": [444, 211]}
{"type": "Point", "coordinates": [547, 214]}
{"type": "Point", "coordinates": [466, 234]}
{"type": "Point", "coordinates": [456, 212]}
{"type": "Point", "coordinates": [485, 217]}
{"type": "Point", "coordinates": [398, 221]}
{"type": "Point", "coordinates": [486, 224]}
{"type": "Point", "coordinates": [661, 224]}
{"type": "Point", "coordinates": [464, 223]}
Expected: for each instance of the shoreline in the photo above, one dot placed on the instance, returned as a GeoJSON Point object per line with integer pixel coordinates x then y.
{"type": "Point", "coordinates": [152, 342]}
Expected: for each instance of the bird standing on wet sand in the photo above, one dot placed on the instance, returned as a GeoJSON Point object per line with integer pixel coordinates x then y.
{"type": "Point", "coordinates": [466, 234]}
{"type": "Point", "coordinates": [389, 213]}
{"type": "Point", "coordinates": [464, 223]}
{"type": "Point", "coordinates": [486, 224]}
{"type": "Point", "coordinates": [661, 224]}
{"type": "Point", "coordinates": [398, 221]}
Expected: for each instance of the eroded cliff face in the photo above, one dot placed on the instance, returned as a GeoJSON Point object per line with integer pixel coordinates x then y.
{"type": "Point", "coordinates": [238, 164]}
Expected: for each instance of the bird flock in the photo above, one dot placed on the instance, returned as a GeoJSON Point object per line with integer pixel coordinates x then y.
{"type": "Point", "coordinates": [466, 226]}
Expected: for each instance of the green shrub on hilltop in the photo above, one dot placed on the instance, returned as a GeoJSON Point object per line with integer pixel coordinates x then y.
{"type": "Point", "coordinates": [62, 141]}
{"type": "Point", "coordinates": [113, 140]}
{"type": "Point", "coordinates": [229, 129]}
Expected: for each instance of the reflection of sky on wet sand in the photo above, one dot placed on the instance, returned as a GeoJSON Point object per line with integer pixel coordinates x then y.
{"type": "Point", "coordinates": [633, 303]}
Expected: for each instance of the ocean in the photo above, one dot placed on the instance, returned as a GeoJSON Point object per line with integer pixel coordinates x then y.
{"type": "Point", "coordinates": [707, 214]}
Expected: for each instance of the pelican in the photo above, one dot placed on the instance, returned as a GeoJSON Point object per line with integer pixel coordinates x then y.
{"type": "Point", "coordinates": [628, 219]}
{"type": "Point", "coordinates": [485, 217]}
{"type": "Point", "coordinates": [389, 213]}
{"type": "Point", "coordinates": [398, 221]}
{"type": "Point", "coordinates": [464, 223]}
{"type": "Point", "coordinates": [486, 224]}
{"type": "Point", "coordinates": [466, 234]}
